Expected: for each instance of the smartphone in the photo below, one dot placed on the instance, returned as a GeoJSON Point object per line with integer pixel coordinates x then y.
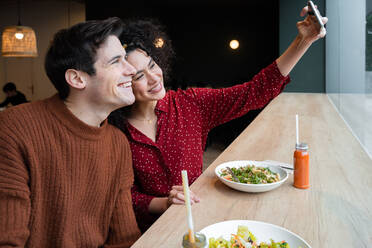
{"type": "Point", "coordinates": [315, 11]}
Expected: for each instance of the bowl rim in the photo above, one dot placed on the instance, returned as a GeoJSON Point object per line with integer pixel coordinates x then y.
{"type": "Point", "coordinates": [236, 222]}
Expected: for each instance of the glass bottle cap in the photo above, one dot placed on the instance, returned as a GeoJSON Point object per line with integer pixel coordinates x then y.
{"type": "Point", "coordinates": [302, 146]}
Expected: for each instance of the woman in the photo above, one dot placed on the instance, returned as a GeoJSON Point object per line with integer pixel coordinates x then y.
{"type": "Point", "coordinates": [167, 131]}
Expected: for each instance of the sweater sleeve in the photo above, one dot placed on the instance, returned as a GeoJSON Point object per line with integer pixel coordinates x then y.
{"type": "Point", "coordinates": [123, 226]}
{"type": "Point", "coordinates": [14, 191]}
{"type": "Point", "coordinates": [218, 106]}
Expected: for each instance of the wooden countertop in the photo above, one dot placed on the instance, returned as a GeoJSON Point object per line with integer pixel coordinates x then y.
{"type": "Point", "coordinates": [336, 211]}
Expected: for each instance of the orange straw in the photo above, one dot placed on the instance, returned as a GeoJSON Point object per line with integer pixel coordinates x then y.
{"type": "Point", "coordinates": [185, 183]}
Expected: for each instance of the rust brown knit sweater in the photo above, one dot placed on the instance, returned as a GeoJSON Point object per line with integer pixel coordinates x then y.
{"type": "Point", "coordinates": [63, 183]}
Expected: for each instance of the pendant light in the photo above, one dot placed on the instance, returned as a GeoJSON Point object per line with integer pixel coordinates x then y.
{"type": "Point", "coordinates": [19, 41]}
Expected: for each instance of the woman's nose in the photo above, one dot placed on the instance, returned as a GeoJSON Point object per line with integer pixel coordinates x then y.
{"type": "Point", "coordinates": [153, 77]}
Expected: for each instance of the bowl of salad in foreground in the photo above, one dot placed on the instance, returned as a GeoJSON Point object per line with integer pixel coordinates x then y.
{"type": "Point", "coordinates": [250, 175]}
{"type": "Point", "coordinates": [251, 234]}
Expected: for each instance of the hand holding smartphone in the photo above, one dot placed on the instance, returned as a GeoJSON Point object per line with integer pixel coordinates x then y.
{"type": "Point", "coordinates": [315, 11]}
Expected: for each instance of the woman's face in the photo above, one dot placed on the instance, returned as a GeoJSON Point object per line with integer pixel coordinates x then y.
{"type": "Point", "coordinates": [148, 82]}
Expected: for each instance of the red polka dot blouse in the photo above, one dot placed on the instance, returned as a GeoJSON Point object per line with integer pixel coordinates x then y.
{"type": "Point", "coordinates": [184, 119]}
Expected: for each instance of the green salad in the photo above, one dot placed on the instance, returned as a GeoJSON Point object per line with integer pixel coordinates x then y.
{"type": "Point", "coordinates": [244, 239]}
{"type": "Point", "coordinates": [251, 174]}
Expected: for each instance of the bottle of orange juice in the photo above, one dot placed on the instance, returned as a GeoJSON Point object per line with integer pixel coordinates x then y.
{"type": "Point", "coordinates": [301, 166]}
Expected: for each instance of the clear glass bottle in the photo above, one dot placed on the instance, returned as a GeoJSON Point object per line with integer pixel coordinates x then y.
{"type": "Point", "coordinates": [200, 241]}
{"type": "Point", "coordinates": [301, 166]}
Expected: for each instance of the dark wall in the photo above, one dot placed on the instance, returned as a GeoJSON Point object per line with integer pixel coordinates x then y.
{"type": "Point", "coordinates": [200, 32]}
{"type": "Point", "coordinates": [309, 74]}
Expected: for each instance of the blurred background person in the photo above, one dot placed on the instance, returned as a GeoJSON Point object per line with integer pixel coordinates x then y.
{"type": "Point", "coordinates": [13, 96]}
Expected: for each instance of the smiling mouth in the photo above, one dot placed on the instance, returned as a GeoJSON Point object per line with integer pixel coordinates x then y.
{"type": "Point", "coordinates": [157, 88]}
{"type": "Point", "coordinates": [125, 84]}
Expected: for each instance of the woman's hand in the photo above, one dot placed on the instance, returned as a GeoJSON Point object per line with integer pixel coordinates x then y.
{"type": "Point", "coordinates": [309, 29]}
{"type": "Point", "coordinates": [176, 196]}
{"type": "Point", "coordinates": [159, 205]}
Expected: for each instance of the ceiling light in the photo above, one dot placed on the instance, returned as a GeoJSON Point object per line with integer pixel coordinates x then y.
{"type": "Point", "coordinates": [18, 41]}
{"type": "Point", "coordinates": [234, 44]}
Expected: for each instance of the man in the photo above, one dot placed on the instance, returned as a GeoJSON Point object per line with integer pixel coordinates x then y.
{"type": "Point", "coordinates": [13, 96]}
{"type": "Point", "coordinates": [65, 173]}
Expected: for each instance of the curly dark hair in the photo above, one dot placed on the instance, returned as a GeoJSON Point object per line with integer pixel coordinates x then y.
{"type": "Point", "coordinates": [150, 36]}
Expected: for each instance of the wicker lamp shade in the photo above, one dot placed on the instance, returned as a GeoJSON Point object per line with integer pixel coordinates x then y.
{"type": "Point", "coordinates": [19, 41]}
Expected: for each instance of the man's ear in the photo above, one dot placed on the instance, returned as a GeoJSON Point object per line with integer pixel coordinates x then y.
{"type": "Point", "coordinates": [76, 79]}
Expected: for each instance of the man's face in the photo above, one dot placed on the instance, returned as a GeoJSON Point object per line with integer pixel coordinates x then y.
{"type": "Point", "coordinates": [111, 87]}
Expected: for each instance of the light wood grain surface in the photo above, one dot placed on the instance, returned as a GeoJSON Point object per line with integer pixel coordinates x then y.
{"type": "Point", "coordinates": [336, 211]}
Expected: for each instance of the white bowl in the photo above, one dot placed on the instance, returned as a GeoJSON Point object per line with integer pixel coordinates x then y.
{"type": "Point", "coordinates": [261, 230]}
{"type": "Point", "coordinates": [283, 175]}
